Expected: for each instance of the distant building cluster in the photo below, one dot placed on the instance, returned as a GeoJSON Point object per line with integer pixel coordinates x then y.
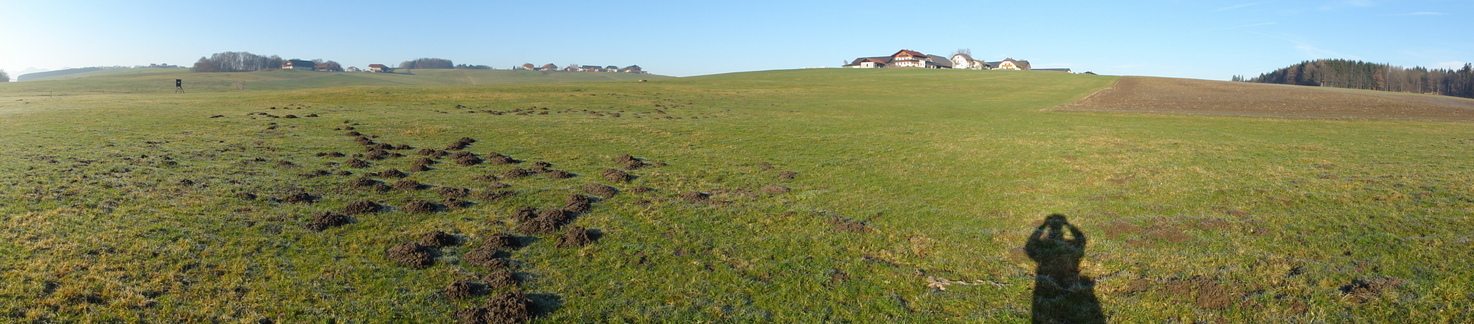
{"type": "Point", "coordinates": [550, 67]}
{"type": "Point", "coordinates": [960, 60]}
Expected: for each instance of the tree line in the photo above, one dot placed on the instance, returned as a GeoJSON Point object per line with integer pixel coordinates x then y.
{"type": "Point", "coordinates": [1373, 76]}
{"type": "Point", "coordinates": [427, 63]}
{"type": "Point", "coordinates": [4, 77]}
{"type": "Point", "coordinates": [247, 62]}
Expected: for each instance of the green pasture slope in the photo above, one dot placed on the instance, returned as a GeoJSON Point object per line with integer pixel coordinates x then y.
{"type": "Point", "coordinates": [1189, 218]}
{"type": "Point", "coordinates": [144, 80]}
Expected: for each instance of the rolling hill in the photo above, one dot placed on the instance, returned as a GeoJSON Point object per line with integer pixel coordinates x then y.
{"type": "Point", "coordinates": [826, 195]}
{"type": "Point", "coordinates": [143, 80]}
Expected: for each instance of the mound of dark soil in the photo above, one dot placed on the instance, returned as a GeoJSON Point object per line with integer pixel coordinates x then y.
{"type": "Point", "coordinates": [377, 155]}
{"type": "Point", "coordinates": [505, 308]}
{"type": "Point", "coordinates": [419, 168]}
{"type": "Point", "coordinates": [775, 189]}
{"type": "Point", "coordinates": [412, 254]}
{"type": "Point", "coordinates": [1364, 289]}
{"type": "Point", "coordinates": [407, 184]}
{"type": "Point", "coordinates": [764, 165]}
{"type": "Point", "coordinates": [424, 161]}
{"type": "Point", "coordinates": [335, 154]}
{"type": "Point", "coordinates": [390, 173]}
{"type": "Point", "coordinates": [461, 154]}
{"type": "Point", "coordinates": [453, 192]}
{"type": "Point", "coordinates": [516, 173]}
{"type": "Point", "coordinates": [362, 182]}
{"type": "Point", "coordinates": [382, 146]}
{"type": "Point", "coordinates": [380, 187]}
{"type": "Point", "coordinates": [559, 174]}
{"type": "Point", "coordinates": [462, 289]}
{"type": "Point", "coordinates": [525, 214]}
{"type": "Point", "coordinates": [356, 163]}
{"type": "Point", "coordinates": [326, 220]}
{"type": "Point", "coordinates": [501, 241]}
{"type": "Point", "coordinates": [577, 236]}
{"type": "Point", "coordinates": [299, 198]}
{"type": "Point", "coordinates": [364, 140]}
{"type": "Point", "coordinates": [468, 160]}
{"type": "Point", "coordinates": [494, 195]}
{"type": "Point", "coordinates": [457, 146]}
{"type": "Point", "coordinates": [362, 207]}
{"type": "Point", "coordinates": [787, 175]}
{"type": "Point", "coordinates": [600, 190]}
{"type": "Point", "coordinates": [613, 175]}
{"type": "Point", "coordinates": [420, 207]}
{"type": "Point", "coordinates": [487, 178]}
{"type": "Point", "coordinates": [842, 224]}
{"type": "Point", "coordinates": [578, 207]}
{"type": "Point", "coordinates": [488, 257]}
{"type": "Point", "coordinates": [547, 221]}
{"type": "Point", "coordinates": [430, 152]}
{"type": "Point", "coordinates": [403, 147]}
{"type": "Point", "coordinates": [353, 133]}
{"type": "Point", "coordinates": [542, 165]}
{"type": "Point", "coordinates": [633, 164]}
{"type": "Point", "coordinates": [438, 239]}
{"type": "Point", "coordinates": [577, 198]}
{"type": "Point", "coordinates": [345, 173]}
{"type": "Point", "coordinates": [500, 279]}
{"type": "Point", "coordinates": [495, 158]}
{"type": "Point", "coordinates": [696, 197]}
{"type": "Point", "coordinates": [455, 203]}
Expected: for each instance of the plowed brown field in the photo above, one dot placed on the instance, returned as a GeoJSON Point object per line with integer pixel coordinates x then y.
{"type": "Point", "coordinates": [1203, 97]}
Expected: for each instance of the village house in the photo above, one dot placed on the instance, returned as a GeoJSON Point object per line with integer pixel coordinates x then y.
{"type": "Point", "coordinates": [380, 68]}
{"type": "Point", "coordinates": [904, 58]}
{"type": "Point", "coordinates": [1011, 64]}
{"type": "Point", "coordinates": [298, 65]}
{"type": "Point", "coordinates": [962, 60]}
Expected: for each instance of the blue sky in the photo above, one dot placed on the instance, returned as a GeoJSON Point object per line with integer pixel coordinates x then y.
{"type": "Point", "coordinates": [1190, 39]}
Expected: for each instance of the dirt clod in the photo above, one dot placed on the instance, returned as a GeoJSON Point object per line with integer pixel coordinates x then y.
{"type": "Point", "coordinates": [420, 207]}
{"type": "Point", "coordinates": [362, 207]}
{"type": "Point", "coordinates": [559, 174]}
{"type": "Point", "coordinates": [842, 224]}
{"type": "Point", "coordinates": [516, 173]}
{"type": "Point", "coordinates": [547, 221]}
{"type": "Point", "coordinates": [501, 241]}
{"type": "Point", "coordinates": [461, 289]}
{"type": "Point", "coordinates": [299, 198]}
{"type": "Point", "coordinates": [615, 175]}
{"type": "Point", "coordinates": [419, 168]}
{"type": "Point", "coordinates": [362, 182]}
{"type": "Point", "coordinates": [468, 160]}
{"type": "Point", "coordinates": [326, 220]}
{"type": "Point", "coordinates": [390, 173]}
{"type": "Point", "coordinates": [454, 203]}
{"type": "Point", "coordinates": [508, 307]}
{"type": "Point", "coordinates": [525, 214]}
{"type": "Point", "coordinates": [412, 254]}
{"type": "Point", "coordinates": [576, 236]}
{"type": "Point", "coordinates": [357, 163]}
{"type": "Point", "coordinates": [696, 197]}
{"type": "Point", "coordinates": [438, 239]}
{"type": "Point", "coordinates": [453, 192]}
{"type": "Point", "coordinates": [599, 190]}
{"type": "Point", "coordinates": [500, 279]}
{"type": "Point", "coordinates": [495, 158]}
{"type": "Point", "coordinates": [487, 257]}
{"type": "Point", "coordinates": [787, 175]}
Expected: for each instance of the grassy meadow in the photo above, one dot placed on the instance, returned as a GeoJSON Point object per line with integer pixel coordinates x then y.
{"type": "Point", "coordinates": [121, 201]}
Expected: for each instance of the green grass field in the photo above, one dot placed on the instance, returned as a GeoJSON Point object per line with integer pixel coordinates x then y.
{"type": "Point", "coordinates": [1189, 218]}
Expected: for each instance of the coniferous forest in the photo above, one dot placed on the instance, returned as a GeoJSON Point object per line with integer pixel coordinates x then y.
{"type": "Point", "coordinates": [1373, 76]}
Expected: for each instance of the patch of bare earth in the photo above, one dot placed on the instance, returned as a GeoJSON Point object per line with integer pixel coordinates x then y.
{"type": "Point", "coordinates": [1222, 98]}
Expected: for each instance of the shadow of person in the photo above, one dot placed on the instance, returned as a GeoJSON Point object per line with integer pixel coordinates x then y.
{"type": "Point", "coordinates": [1061, 295]}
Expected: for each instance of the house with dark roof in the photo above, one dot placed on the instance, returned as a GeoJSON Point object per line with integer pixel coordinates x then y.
{"type": "Point", "coordinates": [903, 58]}
{"type": "Point", "coordinates": [380, 68]}
{"type": "Point", "coordinates": [1011, 64]}
{"type": "Point", "coordinates": [298, 65]}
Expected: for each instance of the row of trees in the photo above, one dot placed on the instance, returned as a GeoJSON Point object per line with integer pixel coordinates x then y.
{"type": "Point", "coordinates": [246, 62]}
{"type": "Point", "coordinates": [4, 77]}
{"type": "Point", "coordinates": [1373, 76]}
{"type": "Point", "coordinates": [427, 63]}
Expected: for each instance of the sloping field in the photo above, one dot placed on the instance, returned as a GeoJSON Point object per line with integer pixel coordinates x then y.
{"type": "Point", "coordinates": [827, 195]}
{"type": "Point", "coordinates": [1203, 97]}
{"type": "Point", "coordinates": [147, 81]}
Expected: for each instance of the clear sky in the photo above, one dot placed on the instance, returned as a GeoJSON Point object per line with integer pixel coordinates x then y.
{"type": "Point", "coordinates": [1177, 38]}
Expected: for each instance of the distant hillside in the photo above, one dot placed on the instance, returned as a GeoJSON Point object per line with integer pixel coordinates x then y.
{"type": "Point", "coordinates": [1373, 76]}
{"type": "Point", "coordinates": [57, 73]}
{"type": "Point", "coordinates": [148, 80]}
